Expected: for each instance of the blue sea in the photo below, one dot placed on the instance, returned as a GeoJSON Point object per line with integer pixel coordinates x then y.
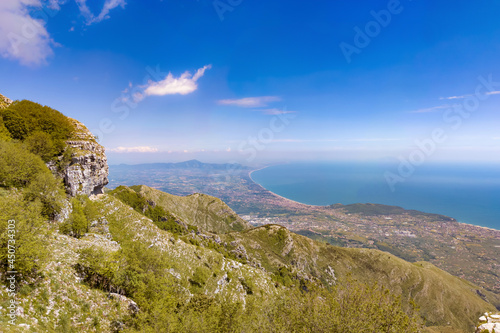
{"type": "Point", "coordinates": [469, 193]}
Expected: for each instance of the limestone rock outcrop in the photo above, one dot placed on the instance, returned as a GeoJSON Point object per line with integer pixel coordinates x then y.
{"type": "Point", "coordinates": [489, 323]}
{"type": "Point", "coordinates": [87, 171]}
{"type": "Point", "coordinates": [4, 101]}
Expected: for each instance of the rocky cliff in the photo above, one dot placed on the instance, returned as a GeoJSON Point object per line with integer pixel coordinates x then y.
{"type": "Point", "coordinates": [4, 101]}
{"type": "Point", "coordinates": [87, 169]}
{"type": "Point", "coordinates": [489, 323]}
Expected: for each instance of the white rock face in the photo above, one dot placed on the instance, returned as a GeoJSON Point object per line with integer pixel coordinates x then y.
{"type": "Point", "coordinates": [88, 170]}
{"type": "Point", "coordinates": [492, 323]}
{"type": "Point", "coordinates": [4, 101]}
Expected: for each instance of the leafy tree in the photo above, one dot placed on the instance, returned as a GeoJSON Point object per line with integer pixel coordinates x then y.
{"type": "Point", "coordinates": [22, 169]}
{"type": "Point", "coordinates": [200, 276]}
{"type": "Point", "coordinates": [41, 144]}
{"type": "Point", "coordinates": [18, 167]}
{"type": "Point", "coordinates": [16, 124]}
{"type": "Point", "coordinates": [49, 191]}
{"type": "Point", "coordinates": [31, 244]}
{"type": "Point", "coordinates": [25, 118]}
{"type": "Point", "coordinates": [4, 133]}
{"type": "Point", "coordinates": [77, 223]}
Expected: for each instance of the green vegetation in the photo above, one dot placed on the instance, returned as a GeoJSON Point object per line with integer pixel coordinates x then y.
{"type": "Point", "coordinates": [208, 213]}
{"type": "Point", "coordinates": [160, 217]}
{"type": "Point", "coordinates": [21, 169]}
{"type": "Point", "coordinates": [141, 273]}
{"type": "Point", "coordinates": [29, 241]}
{"type": "Point", "coordinates": [24, 118]}
{"type": "Point", "coordinates": [370, 209]}
{"type": "Point", "coordinates": [83, 212]}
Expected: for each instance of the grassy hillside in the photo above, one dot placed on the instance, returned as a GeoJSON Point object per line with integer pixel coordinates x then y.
{"type": "Point", "coordinates": [436, 292]}
{"type": "Point", "coordinates": [206, 212]}
{"type": "Point", "coordinates": [296, 259]}
{"type": "Point", "coordinates": [125, 252]}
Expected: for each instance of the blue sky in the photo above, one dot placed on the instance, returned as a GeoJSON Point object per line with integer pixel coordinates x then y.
{"type": "Point", "coordinates": [236, 80]}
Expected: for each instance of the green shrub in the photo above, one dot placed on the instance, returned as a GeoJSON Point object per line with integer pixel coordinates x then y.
{"type": "Point", "coordinates": [4, 132]}
{"type": "Point", "coordinates": [49, 191]}
{"type": "Point", "coordinates": [31, 245]}
{"type": "Point", "coordinates": [77, 224]}
{"type": "Point", "coordinates": [18, 167]}
{"type": "Point", "coordinates": [98, 267]}
{"type": "Point", "coordinates": [200, 276]}
{"type": "Point", "coordinates": [41, 144]}
{"type": "Point", "coordinates": [24, 117]}
{"type": "Point", "coordinates": [21, 169]}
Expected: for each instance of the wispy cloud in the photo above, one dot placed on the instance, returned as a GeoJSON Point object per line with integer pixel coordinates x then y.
{"type": "Point", "coordinates": [103, 15]}
{"type": "Point", "coordinates": [431, 109]}
{"type": "Point", "coordinates": [250, 102]}
{"type": "Point", "coordinates": [338, 140]}
{"type": "Point", "coordinates": [493, 92]}
{"type": "Point", "coordinates": [453, 97]}
{"type": "Point", "coordinates": [15, 42]}
{"type": "Point", "coordinates": [275, 111]}
{"type": "Point", "coordinates": [469, 95]}
{"type": "Point", "coordinates": [139, 149]}
{"type": "Point", "coordinates": [183, 85]}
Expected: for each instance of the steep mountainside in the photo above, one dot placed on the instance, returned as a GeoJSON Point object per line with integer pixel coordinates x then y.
{"type": "Point", "coordinates": [206, 212]}
{"type": "Point", "coordinates": [435, 291]}
{"type": "Point", "coordinates": [271, 247]}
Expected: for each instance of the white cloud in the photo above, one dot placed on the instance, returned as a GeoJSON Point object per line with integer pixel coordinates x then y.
{"type": "Point", "coordinates": [103, 15]}
{"type": "Point", "coordinates": [139, 149]}
{"type": "Point", "coordinates": [470, 95]}
{"type": "Point", "coordinates": [23, 33]}
{"type": "Point", "coordinates": [183, 85]}
{"type": "Point", "coordinates": [250, 102]}
{"type": "Point", "coordinates": [454, 97]}
{"type": "Point", "coordinates": [432, 109]}
{"type": "Point", "coordinates": [23, 37]}
{"type": "Point", "coordinates": [275, 111]}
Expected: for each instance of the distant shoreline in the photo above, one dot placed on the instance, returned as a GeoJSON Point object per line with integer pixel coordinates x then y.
{"type": "Point", "coordinates": [301, 203]}
{"type": "Point", "coordinates": [279, 196]}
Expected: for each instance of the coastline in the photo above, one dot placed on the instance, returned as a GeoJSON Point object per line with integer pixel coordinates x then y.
{"type": "Point", "coordinates": [322, 206]}
{"type": "Point", "coordinates": [277, 195]}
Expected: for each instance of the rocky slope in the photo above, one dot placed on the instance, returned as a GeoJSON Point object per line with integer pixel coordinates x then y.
{"type": "Point", "coordinates": [204, 211]}
{"type": "Point", "coordinates": [4, 101]}
{"type": "Point", "coordinates": [270, 247]}
{"type": "Point", "coordinates": [490, 323]}
{"type": "Point", "coordinates": [87, 172]}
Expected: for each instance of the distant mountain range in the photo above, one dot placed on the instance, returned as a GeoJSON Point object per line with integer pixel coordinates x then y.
{"type": "Point", "coordinates": [191, 164]}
